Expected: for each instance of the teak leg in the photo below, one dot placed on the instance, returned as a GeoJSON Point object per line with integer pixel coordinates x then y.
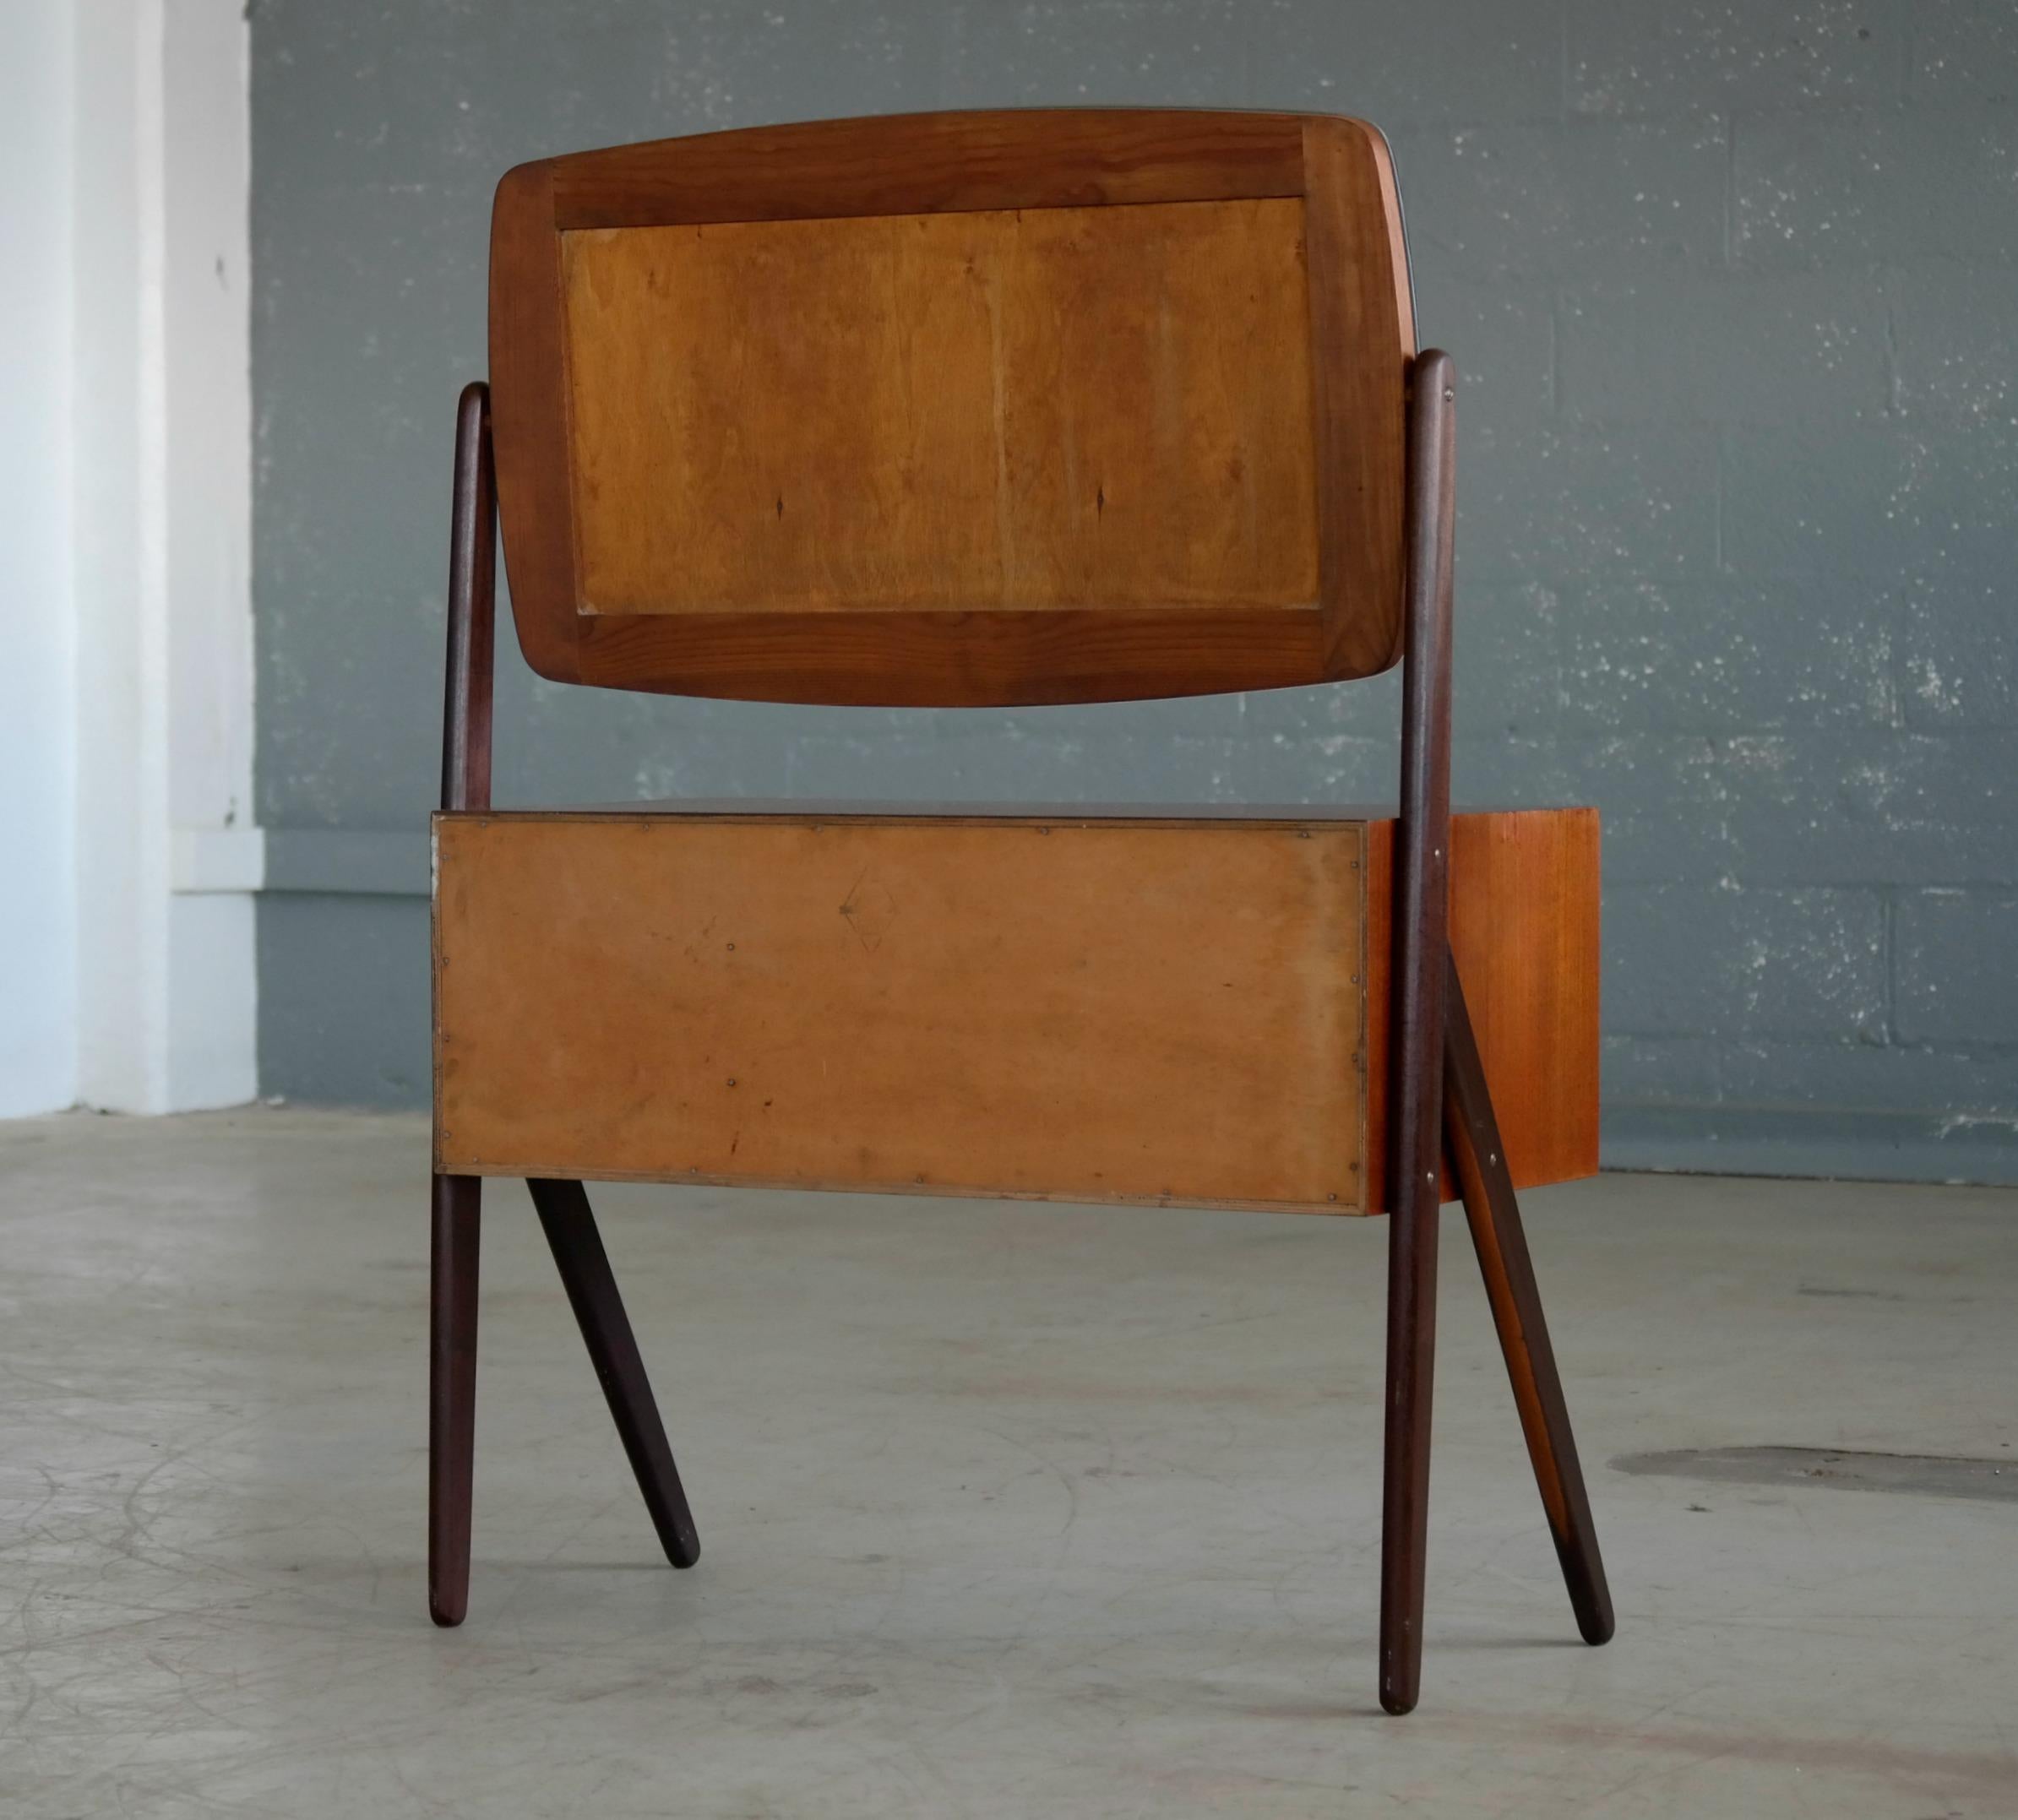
{"type": "Point", "coordinates": [563, 1207]}
{"type": "Point", "coordinates": [1495, 1219]}
{"type": "Point", "coordinates": [1411, 1288]}
{"type": "Point", "coordinates": [585, 1268]}
{"type": "Point", "coordinates": [1422, 907]}
{"type": "Point", "coordinates": [452, 1395]}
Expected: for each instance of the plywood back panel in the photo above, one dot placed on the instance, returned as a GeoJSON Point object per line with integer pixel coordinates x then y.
{"type": "Point", "coordinates": [1110, 1012]}
{"type": "Point", "coordinates": [1025, 410]}
{"type": "Point", "coordinates": [1054, 1005]}
{"type": "Point", "coordinates": [956, 409]}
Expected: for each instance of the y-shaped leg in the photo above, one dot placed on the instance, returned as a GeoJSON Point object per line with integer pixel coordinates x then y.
{"type": "Point", "coordinates": [1495, 1219]}
{"type": "Point", "coordinates": [584, 1268]}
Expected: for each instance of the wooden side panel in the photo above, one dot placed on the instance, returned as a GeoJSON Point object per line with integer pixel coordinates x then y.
{"type": "Point", "coordinates": [1524, 926]}
{"type": "Point", "coordinates": [1363, 323]}
{"type": "Point", "coordinates": [528, 420]}
{"type": "Point", "coordinates": [1035, 409]}
{"type": "Point", "coordinates": [1124, 1011]}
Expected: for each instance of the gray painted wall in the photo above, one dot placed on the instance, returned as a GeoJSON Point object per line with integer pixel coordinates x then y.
{"type": "Point", "coordinates": [1734, 289]}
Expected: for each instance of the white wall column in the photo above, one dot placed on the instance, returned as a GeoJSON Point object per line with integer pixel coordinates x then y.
{"type": "Point", "coordinates": [210, 1047]}
{"type": "Point", "coordinates": [167, 859]}
{"type": "Point", "coordinates": [38, 904]}
{"type": "Point", "coordinates": [126, 253]}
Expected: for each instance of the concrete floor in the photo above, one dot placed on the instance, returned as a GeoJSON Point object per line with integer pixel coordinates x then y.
{"type": "Point", "coordinates": [1005, 1509]}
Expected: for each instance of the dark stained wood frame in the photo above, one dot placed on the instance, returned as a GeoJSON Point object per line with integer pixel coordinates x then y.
{"type": "Point", "coordinates": [1421, 946]}
{"type": "Point", "coordinates": [563, 1206]}
{"type": "Point", "coordinates": [1438, 1098]}
{"type": "Point", "coordinates": [1439, 1095]}
{"type": "Point", "coordinates": [1497, 1235]}
{"type": "Point", "coordinates": [1361, 339]}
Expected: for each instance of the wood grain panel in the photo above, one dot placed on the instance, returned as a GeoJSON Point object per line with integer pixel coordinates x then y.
{"type": "Point", "coordinates": [556, 1012]}
{"type": "Point", "coordinates": [1127, 1012]}
{"type": "Point", "coordinates": [1524, 926]}
{"type": "Point", "coordinates": [1221, 602]}
{"type": "Point", "coordinates": [1047, 409]}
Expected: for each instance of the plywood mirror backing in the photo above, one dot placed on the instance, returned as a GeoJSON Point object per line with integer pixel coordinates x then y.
{"type": "Point", "coordinates": [976, 408]}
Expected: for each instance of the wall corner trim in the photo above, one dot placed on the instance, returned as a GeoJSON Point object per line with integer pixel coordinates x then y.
{"type": "Point", "coordinates": [216, 858]}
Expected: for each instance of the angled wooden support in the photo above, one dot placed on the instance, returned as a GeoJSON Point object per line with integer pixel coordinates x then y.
{"type": "Point", "coordinates": [452, 1395]}
{"type": "Point", "coordinates": [1421, 944]}
{"type": "Point", "coordinates": [1440, 1089]}
{"type": "Point", "coordinates": [457, 1200]}
{"type": "Point", "coordinates": [1480, 1161]}
{"type": "Point", "coordinates": [585, 1268]}
{"type": "Point", "coordinates": [564, 1207]}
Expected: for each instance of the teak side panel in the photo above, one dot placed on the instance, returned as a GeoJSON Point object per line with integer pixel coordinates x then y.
{"type": "Point", "coordinates": [1037, 409]}
{"type": "Point", "coordinates": [1094, 164]}
{"type": "Point", "coordinates": [1524, 928]}
{"type": "Point", "coordinates": [1363, 325]}
{"type": "Point", "coordinates": [529, 422]}
{"type": "Point", "coordinates": [1129, 1013]}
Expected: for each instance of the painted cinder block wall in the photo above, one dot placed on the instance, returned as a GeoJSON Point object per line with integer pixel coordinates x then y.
{"type": "Point", "coordinates": [1732, 288]}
